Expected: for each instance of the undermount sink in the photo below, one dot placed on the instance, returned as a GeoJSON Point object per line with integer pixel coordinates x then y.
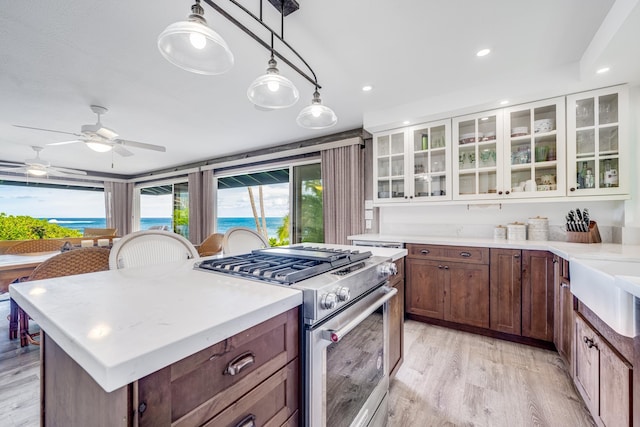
{"type": "Point", "coordinates": [595, 283]}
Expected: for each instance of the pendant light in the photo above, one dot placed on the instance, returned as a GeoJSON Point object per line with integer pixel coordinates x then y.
{"type": "Point", "coordinates": [193, 46]}
{"type": "Point", "coordinates": [316, 115]}
{"type": "Point", "coordinates": [272, 90]}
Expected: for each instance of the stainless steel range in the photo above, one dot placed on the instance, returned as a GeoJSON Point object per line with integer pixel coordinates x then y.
{"type": "Point", "coordinates": [345, 316]}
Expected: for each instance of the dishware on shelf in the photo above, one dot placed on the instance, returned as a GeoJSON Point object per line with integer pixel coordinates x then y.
{"type": "Point", "coordinates": [543, 125]}
{"type": "Point", "coordinates": [467, 138]}
{"type": "Point", "coordinates": [519, 131]}
{"type": "Point", "coordinates": [530, 185]}
{"type": "Point", "coordinates": [542, 153]}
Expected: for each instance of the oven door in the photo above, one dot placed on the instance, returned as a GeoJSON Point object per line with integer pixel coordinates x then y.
{"type": "Point", "coordinates": [346, 369]}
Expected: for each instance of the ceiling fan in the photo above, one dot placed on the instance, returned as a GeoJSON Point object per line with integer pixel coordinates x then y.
{"type": "Point", "coordinates": [39, 167]}
{"type": "Point", "coordinates": [100, 138]}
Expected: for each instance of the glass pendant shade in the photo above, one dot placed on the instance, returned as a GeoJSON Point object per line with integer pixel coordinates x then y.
{"type": "Point", "coordinates": [193, 46]}
{"type": "Point", "coordinates": [316, 115]}
{"type": "Point", "coordinates": [98, 146]}
{"type": "Point", "coordinates": [272, 90]}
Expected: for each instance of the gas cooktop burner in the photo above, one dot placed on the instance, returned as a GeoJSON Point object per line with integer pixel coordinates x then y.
{"type": "Point", "coordinates": [284, 265]}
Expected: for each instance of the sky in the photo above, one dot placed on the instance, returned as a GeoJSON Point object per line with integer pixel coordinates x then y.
{"type": "Point", "coordinates": [62, 203]}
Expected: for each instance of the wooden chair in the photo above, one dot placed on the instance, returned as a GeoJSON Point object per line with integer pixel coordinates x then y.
{"type": "Point", "coordinates": [212, 245]}
{"type": "Point", "coordinates": [150, 247]}
{"type": "Point", "coordinates": [99, 232]}
{"type": "Point", "coordinates": [34, 246]}
{"type": "Point", "coordinates": [77, 261]}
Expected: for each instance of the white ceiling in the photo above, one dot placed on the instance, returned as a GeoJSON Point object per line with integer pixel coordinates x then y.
{"type": "Point", "coordinates": [419, 55]}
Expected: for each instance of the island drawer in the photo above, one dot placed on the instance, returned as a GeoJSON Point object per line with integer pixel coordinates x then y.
{"type": "Point", "coordinates": [195, 389]}
{"type": "Point", "coordinates": [449, 253]}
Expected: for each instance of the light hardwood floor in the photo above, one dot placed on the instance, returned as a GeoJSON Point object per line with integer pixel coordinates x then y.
{"type": "Point", "coordinates": [452, 378]}
{"type": "Point", "coordinates": [448, 378]}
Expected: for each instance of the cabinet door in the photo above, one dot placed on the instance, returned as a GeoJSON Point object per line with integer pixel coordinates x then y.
{"type": "Point", "coordinates": [565, 304]}
{"type": "Point", "coordinates": [537, 295]}
{"type": "Point", "coordinates": [587, 364]}
{"type": "Point", "coordinates": [389, 166]}
{"type": "Point", "coordinates": [431, 161]}
{"type": "Point", "coordinates": [597, 142]}
{"type": "Point", "coordinates": [467, 294]}
{"type": "Point", "coordinates": [425, 288]}
{"type": "Point", "coordinates": [616, 381]}
{"type": "Point", "coordinates": [505, 299]}
{"type": "Point", "coordinates": [396, 321]}
{"type": "Point", "coordinates": [477, 156]}
{"type": "Point", "coordinates": [535, 149]}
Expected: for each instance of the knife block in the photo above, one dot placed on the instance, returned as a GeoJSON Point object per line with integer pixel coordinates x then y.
{"type": "Point", "coordinates": [592, 236]}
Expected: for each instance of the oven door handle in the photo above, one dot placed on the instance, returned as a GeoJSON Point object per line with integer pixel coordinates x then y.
{"type": "Point", "coordinates": [336, 335]}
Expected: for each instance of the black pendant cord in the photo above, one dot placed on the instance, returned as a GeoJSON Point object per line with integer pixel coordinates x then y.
{"type": "Point", "coordinates": [234, 21]}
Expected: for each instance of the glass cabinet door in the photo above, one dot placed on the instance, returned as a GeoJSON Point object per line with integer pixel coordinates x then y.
{"type": "Point", "coordinates": [595, 148]}
{"type": "Point", "coordinates": [477, 156]}
{"type": "Point", "coordinates": [534, 156]}
{"type": "Point", "coordinates": [389, 165]}
{"type": "Point", "coordinates": [430, 160]}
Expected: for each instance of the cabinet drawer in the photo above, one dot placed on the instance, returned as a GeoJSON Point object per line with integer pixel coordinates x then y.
{"type": "Point", "coordinates": [450, 253]}
{"type": "Point", "coordinates": [270, 404]}
{"type": "Point", "coordinates": [196, 388]}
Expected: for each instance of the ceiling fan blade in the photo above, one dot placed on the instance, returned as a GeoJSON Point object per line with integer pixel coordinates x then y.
{"type": "Point", "coordinates": [73, 141]}
{"type": "Point", "coordinates": [48, 130]}
{"type": "Point", "coordinates": [142, 145]}
{"type": "Point", "coordinates": [67, 171]}
{"type": "Point", "coordinates": [119, 149]}
{"type": "Point", "coordinates": [14, 169]}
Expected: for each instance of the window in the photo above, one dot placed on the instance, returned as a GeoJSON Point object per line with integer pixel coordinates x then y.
{"type": "Point", "coordinates": [263, 200]}
{"type": "Point", "coordinates": [164, 206]}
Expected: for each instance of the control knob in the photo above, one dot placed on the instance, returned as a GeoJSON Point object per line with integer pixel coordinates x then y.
{"type": "Point", "coordinates": [387, 269]}
{"type": "Point", "coordinates": [329, 301]}
{"type": "Point", "coordinates": [344, 294]}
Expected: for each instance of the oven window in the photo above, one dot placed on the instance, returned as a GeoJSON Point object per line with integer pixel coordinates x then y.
{"type": "Point", "coordinates": [355, 366]}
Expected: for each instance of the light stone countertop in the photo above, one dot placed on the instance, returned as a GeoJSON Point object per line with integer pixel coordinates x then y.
{"type": "Point", "coordinates": [121, 325]}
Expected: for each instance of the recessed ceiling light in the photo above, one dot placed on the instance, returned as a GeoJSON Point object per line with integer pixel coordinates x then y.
{"type": "Point", "coordinates": [483, 52]}
{"type": "Point", "coordinates": [367, 88]}
{"type": "Point", "coordinates": [505, 102]}
{"type": "Point", "coordinates": [406, 122]}
{"type": "Point", "coordinates": [603, 70]}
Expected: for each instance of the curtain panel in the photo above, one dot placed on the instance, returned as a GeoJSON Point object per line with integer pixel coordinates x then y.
{"type": "Point", "coordinates": [200, 205]}
{"type": "Point", "coordinates": [118, 199]}
{"type": "Point", "coordinates": [343, 192]}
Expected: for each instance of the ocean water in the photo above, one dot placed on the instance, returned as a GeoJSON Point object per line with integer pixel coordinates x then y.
{"type": "Point", "coordinates": [273, 223]}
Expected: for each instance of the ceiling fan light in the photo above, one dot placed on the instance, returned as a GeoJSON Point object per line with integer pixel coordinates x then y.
{"type": "Point", "coordinates": [36, 171]}
{"type": "Point", "coordinates": [273, 91]}
{"type": "Point", "coordinates": [98, 146]}
{"type": "Point", "coordinates": [193, 46]}
{"type": "Point", "coordinates": [316, 115]}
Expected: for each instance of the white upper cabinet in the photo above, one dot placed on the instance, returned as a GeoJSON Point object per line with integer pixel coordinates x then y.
{"type": "Point", "coordinates": [413, 164]}
{"type": "Point", "coordinates": [534, 136]}
{"type": "Point", "coordinates": [597, 142]}
{"type": "Point", "coordinates": [478, 156]}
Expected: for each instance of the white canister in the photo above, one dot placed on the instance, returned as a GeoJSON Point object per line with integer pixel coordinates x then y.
{"type": "Point", "coordinates": [500, 232]}
{"type": "Point", "coordinates": [538, 228]}
{"type": "Point", "coordinates": [517, 231]}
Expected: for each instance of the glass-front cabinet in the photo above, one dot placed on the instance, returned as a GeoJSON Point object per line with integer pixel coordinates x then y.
{"type": "Point", "coordinates": [477, 156]}
{"type": "Point", "coordinates": [534, 152]}
{"type": "Point", "coordinates": [597, 147]}
{"type": "Point", "coordinates": [431, 157]}
{"type": "Point", "coordinates": [413, 164]}
{"type": "Point", "coordinates": [390, 158]}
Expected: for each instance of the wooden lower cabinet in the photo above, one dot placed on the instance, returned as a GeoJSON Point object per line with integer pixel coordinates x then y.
{"type": "Point", "coordinates": [564, 309]}
{"type": "Point", "coordinates": [603, 378]}
{"type": "Point", "coordinates": [505, 290]}
{"type": "Point", "coordinates": [396, 321]}
{"type": "Point", "coordinates": [537, 295]}
{"type": "Point", "coordinates": [253, 376]}
{"type": "Point", "coordinates": [453, 291]}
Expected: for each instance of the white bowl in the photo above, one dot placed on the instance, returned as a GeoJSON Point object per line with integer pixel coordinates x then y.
{"type": "Point", "coordinates": [543, 125]}
{"type": "Point", "coordinates": [519, 131]}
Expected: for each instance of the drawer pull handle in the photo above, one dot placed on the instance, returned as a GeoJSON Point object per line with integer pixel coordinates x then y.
{"type": "Point", "coordinates": [248, 421]}
{"type": "Point", "coordinates": [440, 266]}
{"type": "Point", "coordinates": [425, 251]}
{"type": "Point", "coordinates": [239, 363]}
{"type": "Point", "coordinates": [446, 267]}
{"type": "Point", "coordinates": [465, 254]}
{"type": "Point", "coordinates": [564, 285]}
{"type": "Point", "coordinates": [589, 342]}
